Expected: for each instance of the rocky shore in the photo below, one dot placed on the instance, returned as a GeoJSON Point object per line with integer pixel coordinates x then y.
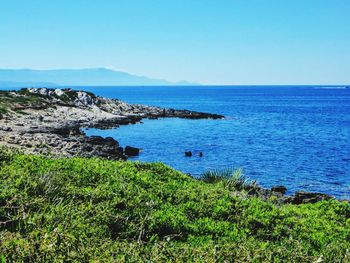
{"type": "Point", "coordinates": [50, 121]}
{"type": "Point", "coordinates": [278, 193]}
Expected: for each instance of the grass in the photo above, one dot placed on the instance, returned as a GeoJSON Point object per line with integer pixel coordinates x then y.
{"type": "Point", "coordinates": [81, 210]}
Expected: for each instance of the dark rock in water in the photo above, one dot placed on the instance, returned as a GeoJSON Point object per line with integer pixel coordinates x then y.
{"type": "Point", "coordinates": [188, 154]}
{"type": "Point", "coordinates": [302, 197]}
{"type": "Point", "coordinates": [279, 189]}
{"type": "Point", "coordinates": [200, 154]}
{"type": "Point", "coordinates": [131, 151]}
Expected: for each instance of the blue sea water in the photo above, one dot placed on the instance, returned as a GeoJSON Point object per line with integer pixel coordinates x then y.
{"type": "Point", "coordinates": [293, 136]}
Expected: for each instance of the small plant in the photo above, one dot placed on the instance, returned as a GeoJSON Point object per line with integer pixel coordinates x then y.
{"type": "Point", "coordinates": [3, 110]}
{"type": "Point", "coordinates": [232, 178]}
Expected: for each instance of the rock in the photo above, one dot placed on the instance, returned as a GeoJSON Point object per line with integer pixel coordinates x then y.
{"type": "Point", "coordinates": [99, 146]}
{"type": "Point", "coordinates": [84, 99]}
{"type": "Point", "coordinates": [200, 154]}
{"type": "Point", "coordinates": [98, 140]}
{"type": "Point", "coordinates": [279, 189]}
{"type": "Point", "coordinates": [64, 130]}
{"type": "Point", "coordinates": [8, 129]}
{"type": "Point", "coordinates": [87, 148]}
{"type": "Point", "coordinates": [188, 154]}
{"type": "Point", "coordinates": [53, 144]}
{"type": "Point", "coordinates": [131, 151]}
{"type": "Point", "coordinates": [302, 197]}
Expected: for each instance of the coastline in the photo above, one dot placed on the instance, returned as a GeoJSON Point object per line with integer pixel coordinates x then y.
{"type": "Point", "coordinates": [50, 122]}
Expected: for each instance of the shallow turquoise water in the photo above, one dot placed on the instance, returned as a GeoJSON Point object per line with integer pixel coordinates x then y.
{"type": "Point", "coordinates": [295, 136]}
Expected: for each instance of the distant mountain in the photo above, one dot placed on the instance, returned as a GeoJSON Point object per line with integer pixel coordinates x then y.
{"type": "Point", "coordinates": [76, 77]}
{"type": "Point", "coordinates": [15, 84]}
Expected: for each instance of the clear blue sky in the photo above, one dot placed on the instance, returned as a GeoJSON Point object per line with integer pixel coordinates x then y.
{"type": "Point", "coordinates": [206, 41]}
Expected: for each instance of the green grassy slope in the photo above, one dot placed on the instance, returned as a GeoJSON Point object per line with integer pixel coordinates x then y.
{"type": "Point", "coordinates": [78, 210]}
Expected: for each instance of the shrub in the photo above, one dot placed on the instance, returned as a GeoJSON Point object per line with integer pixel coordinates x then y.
{"type": "Point", "coordinates": [232, 178]}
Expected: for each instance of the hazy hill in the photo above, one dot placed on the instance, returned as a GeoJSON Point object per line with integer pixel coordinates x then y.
{"type": "Point", "coordinates": [16, 84]}
{"type": "Point", "coordinates": [75, 77]}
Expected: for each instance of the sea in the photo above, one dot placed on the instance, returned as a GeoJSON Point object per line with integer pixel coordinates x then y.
{"type": "Point", "coordinates": [296, 136]}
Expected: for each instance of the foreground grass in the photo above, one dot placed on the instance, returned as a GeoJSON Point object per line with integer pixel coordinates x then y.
{"type": "Point", "coordinates": [78, 210]}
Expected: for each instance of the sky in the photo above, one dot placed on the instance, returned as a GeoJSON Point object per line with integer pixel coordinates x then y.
{"type": "Point", "coordinates": [238, 42]}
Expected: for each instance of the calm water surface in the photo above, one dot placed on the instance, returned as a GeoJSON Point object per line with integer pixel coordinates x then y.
{"type": "Point", "coordinates": [295, 136]}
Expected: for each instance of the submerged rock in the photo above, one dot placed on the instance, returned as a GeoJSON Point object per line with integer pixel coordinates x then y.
{"type": "Point", "coordinates": [131, 151]}
{"type": "Point", "coordinates": [188, 154]}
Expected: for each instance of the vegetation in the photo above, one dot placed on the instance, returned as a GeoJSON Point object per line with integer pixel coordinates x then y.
{"type": "Point", "coordinates": [21, 100]}
{"type": "Point", "coordinates": [3, 109]}
{"type": "Point", "coordinates": [79, 210]}
{"type": "Point", "coordinates": [24, 99]}
{"type": "Point", "coordinates": [233, 179]}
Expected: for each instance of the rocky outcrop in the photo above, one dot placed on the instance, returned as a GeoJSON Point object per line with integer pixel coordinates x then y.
{"type": "Point", "coordinates": [103, 147]}
{"type": "Point", "coordinates": [279, 189]}
{"type": "Point", "coordinates": [302, 197]}
{"type": "Point", "coordinates": [132, 112]}
{"type": "Point", "coordinates": [50, 121]}
{"type": "Point", "coordinates": [278, 194]}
